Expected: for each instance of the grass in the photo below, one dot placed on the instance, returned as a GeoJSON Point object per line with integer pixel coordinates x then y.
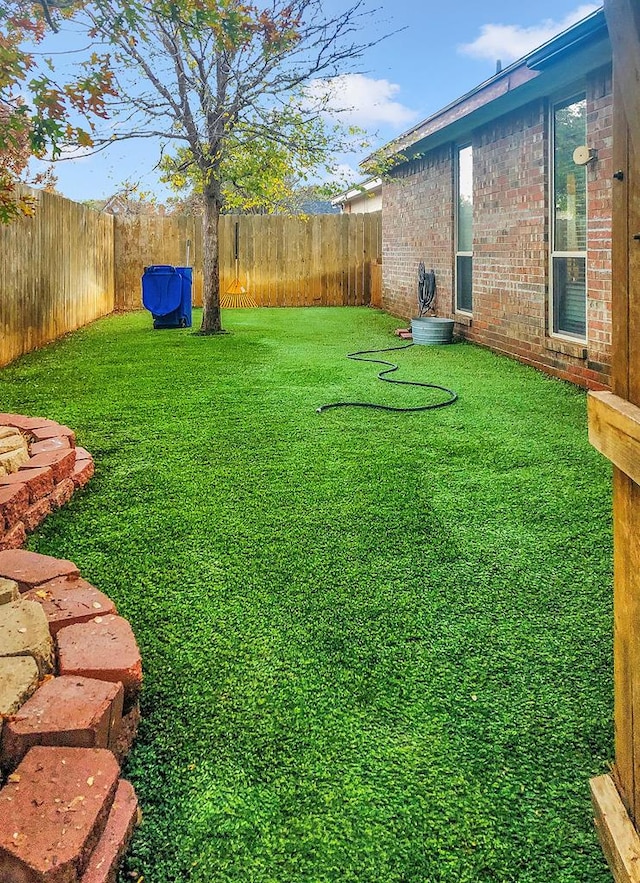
{"type": "Point", "coordinates": [377, 647]}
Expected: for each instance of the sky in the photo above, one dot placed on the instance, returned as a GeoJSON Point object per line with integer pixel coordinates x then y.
{"type": "Point", "coordinates": [436, 52]}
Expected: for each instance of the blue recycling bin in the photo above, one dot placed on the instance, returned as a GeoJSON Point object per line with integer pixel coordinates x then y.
{"type": "Point", "coordinates": [166, 293]}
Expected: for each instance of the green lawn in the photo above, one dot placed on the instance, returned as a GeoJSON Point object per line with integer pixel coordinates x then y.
{"type": "Point", "coordinates": [377, 647]}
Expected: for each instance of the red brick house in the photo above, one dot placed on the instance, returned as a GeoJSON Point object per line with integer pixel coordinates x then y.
{"type": "Point", "coordinates": [506, 194]}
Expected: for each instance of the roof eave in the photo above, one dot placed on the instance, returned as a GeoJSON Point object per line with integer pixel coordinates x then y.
{"type": "Point", "coordinates": [516, 76]}
{"type": "Point", "coordinates": [574, 38]}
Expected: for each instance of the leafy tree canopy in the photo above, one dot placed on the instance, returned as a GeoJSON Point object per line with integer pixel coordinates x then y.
{"type": "Point", "coordinates": [262, 175]}
{"type": "Point", "coordinates": [39, 116]}
{"type": "Point", "coordinates": [236, 91]}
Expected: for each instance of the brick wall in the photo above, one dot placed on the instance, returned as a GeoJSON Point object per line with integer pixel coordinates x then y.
{"type": "Point", "coordinates": [511, 250]}
{"type": "Point", "coordinates": [417, 224]}
{"type": "Point", "coordinates": [599, 183]}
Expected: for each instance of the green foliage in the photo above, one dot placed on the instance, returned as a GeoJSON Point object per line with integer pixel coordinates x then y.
{"type": "Point", "coordinates": [255, 175]}
{"type": "Point", "coordinates": [263, 174]}
{"type": "Point", "coordinates": [238, 93]}
{"type": "Point", "coordinates": [376, 647]}
{"type": "Point", "coordinates": [37, 114]}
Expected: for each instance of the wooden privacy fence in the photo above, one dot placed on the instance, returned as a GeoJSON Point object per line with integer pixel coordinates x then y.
{"type": "Point", "coordinates": [376, 284]}
{"type": "Point", "coordinates": [69, 265]}
{"type": "Point", "coordinates": [614, 429]}
{"type": "Point", "coordinates": [141, 241]}
{"type": "Point", "coordinates": [318, 260]}
{"type": "Point", "coordinates": [56, 273]}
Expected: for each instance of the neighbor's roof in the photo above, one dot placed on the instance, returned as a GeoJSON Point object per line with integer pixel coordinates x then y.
{"type": "Point", "coordinates": [370, 187]}
{"type": "Point", "coordinates": [548, 69]}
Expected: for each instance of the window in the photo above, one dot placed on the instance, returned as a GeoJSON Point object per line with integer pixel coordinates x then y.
{"type": "Point", "coordinates": [464, 229]}
{"type": "Point", "coordinates": [569, 220]}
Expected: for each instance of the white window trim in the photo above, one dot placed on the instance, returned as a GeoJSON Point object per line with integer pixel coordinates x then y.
{"type": "Point", "coordinates": [462, 254]}
{"type": "Point", "coordinates": [565, 98]}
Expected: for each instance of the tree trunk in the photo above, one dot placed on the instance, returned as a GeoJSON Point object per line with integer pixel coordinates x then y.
{"type": "Point", "coordinates": [211, 319]}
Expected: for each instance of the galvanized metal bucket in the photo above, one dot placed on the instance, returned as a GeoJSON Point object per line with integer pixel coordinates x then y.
{"type": "Point", "coordinates": [430, 330]}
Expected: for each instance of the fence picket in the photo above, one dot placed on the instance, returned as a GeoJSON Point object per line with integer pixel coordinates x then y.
{"type": "Point", "coordinates": [292, 261]}
{"type": "Point", "coordinates": [70, 265]}
{"type": "Point", "coordinates": [56, 273]}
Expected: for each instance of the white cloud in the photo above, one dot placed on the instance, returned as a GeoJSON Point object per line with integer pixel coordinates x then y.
{"type": "Point", "coordinates": [76, 152]}
{"type": "Point", "coordinates": [345, 172]}
{"type": "Point", "coordinates": [508, 42]}
{"type": "Point", "coordinates": [339, 177]}
{"type": "Point", "coordinates": [361, 100]}
{"type": "Point", "coordinates": [342, 174]}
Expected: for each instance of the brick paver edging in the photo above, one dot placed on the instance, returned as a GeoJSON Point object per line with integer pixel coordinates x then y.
{"type": "Point", "coordinates": [70, 680]}
{"type": "Point", "coordinates": [40, 468]}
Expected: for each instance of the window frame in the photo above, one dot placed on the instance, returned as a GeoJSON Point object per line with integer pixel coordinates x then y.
{"type": "Point", "coordinates": [457, 253]}
{"type": "Point", "coordinates": [566, 98]}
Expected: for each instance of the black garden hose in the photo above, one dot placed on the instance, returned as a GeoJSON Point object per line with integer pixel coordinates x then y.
{"type": "Point", "coordinates": [391, 367]}
{"type": "Point", "coordinates": [426, 289]}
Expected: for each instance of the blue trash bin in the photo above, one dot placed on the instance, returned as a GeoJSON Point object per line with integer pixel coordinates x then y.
{"type": "Point", "coordinates": [166, 293]}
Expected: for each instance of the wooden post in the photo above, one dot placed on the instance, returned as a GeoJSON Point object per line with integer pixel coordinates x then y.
{"type": "Point", "coordinates": [614, 428]}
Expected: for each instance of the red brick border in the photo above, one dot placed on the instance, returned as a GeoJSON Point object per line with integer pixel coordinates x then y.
{"type": "Point", "coordinates": [79, 722]}
{"type": "Point", "coordinates": [47, 480]}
